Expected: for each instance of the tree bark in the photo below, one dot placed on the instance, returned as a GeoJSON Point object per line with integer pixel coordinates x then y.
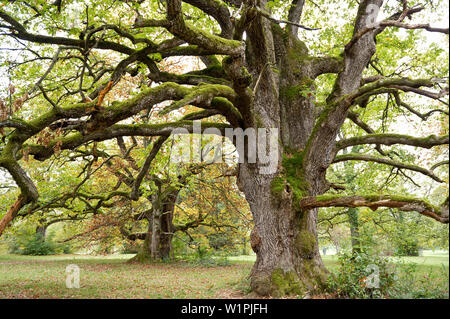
{"type": "Point", "coordinates": [284, 239]}
{"type": "Point", "coordinates": [158, 240]}
{"type": "Point", "coordinates": [11, 213]}
{"type": "Point", "coordinates": [353, 219]}
{"type": "Point", "coordinates": [144, 253]}
{"type": "Point", "coordinates": [156, 235]}
{"type": "Point", "coordinates": [285, 234]}
{"type": "Point", "coordinates": [42, 230]}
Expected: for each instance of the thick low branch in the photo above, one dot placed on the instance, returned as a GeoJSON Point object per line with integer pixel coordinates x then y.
{"type": "Point", "coordinates": [202, 96]}
{"type": "Point", "coordinates": [391, 139]}
{"type": "Point", "coordinates": [74, 140]}
{"type": "Point", "coordinates": [132, 236]}
{"type": "Point", "coordinates": [374, 201]}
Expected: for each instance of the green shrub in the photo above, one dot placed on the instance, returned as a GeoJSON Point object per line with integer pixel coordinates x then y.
{"type": "Point", "coordinates": [413, 284]}
{"type": "Point", "coordinates": [27, 243]}
{"type": "Point", "coordinates": [66, 248]}
{"type": "Point", "coordinates": [361, 276]}
{"type": "Point", "coordinates": [397, 280]}
{"type": "Point", "coordinates": [37, 245]}
{"type": "Point", "coordinates": [407, 247]}
{"type": "Point", "coordinates": [130, 248]}
{"type": "Point", "coordinates": [203, 257]}
{"type": "Point", "coordinates": [14, 247]}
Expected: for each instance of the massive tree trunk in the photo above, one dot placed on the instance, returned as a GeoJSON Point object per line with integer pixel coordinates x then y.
{"type": "Point", "coordinates": [285, 235]}
{"type": "Point", "coordinates": [284, 239]}
{"type": "Point", "coordinates": [167, 231]}
{"type": "Point", "coordinates": [156, 245]}
{"type": "Point", "coordinates": [144, 254]}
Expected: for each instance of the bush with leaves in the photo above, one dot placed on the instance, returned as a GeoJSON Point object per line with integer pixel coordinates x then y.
{"type": "Point", "coordinates": [413, 284]}
{"type": "Point", "coordinates": [203, 257]}
{"type": "Point", "coordinates": [361, 275]}
{"type": "Point", "coordinates": [32, 244]}
{"type": "Point", "coordinates": [26, 242]}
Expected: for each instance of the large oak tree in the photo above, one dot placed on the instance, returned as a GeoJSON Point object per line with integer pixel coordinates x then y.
{"type": "Point", "coordinates": [259, 73]}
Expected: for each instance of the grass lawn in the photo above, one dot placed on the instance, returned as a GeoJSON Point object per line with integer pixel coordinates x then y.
{"type": "Point", "coordinates": [112, 277]}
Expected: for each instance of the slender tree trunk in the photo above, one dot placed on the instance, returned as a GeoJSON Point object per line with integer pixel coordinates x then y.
{"type": "Point", "coordinates": [156, 235]}
{"type": "Point", "coordinates": [144, 253]}
{"type": "Point", "coordinates": [167, 231]}
{"type": "Point", "coordinates": [158, 241]}
{"type": "Point", "coordinates": [42, 230]}
{"type": "Point", "coordinates": [352, 214]}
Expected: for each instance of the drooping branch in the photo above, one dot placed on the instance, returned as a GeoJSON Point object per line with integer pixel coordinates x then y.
{"type": "Point", "coordinates": [21, 33]}
{"type": "Point", "coordinates": [423, 116]}
{"type": "Point", "coordinates": [391, 85]}
{"type": "Point", "coordinates": [296, 25]}
{"type": "Point", "coordinates": [392, 23]}
{"type": "Point", "coordinates": [446, 162]}
{"type": "Point", "coordinates": [354, 117]}
{"type": "Point", "coordinates": [378, 27]}
{"type": "Point", "coordinates": [374, 201]}
{"type": "Point", "coordinates": [74, 140]}
{"type": "Point", "coordinates": [425, 26]}
{"type": "Point", "coordinates": [26, 185]}
{"type": "Point", "coordinates": [369, 158]}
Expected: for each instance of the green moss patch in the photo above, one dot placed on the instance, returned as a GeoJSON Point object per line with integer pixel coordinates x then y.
{"type": "Point", "coordinates": [286, 283]}
{"type": "Point", "coordinates": [306, 243]}
{"type": "Point", "coordinates": [291, 176]}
